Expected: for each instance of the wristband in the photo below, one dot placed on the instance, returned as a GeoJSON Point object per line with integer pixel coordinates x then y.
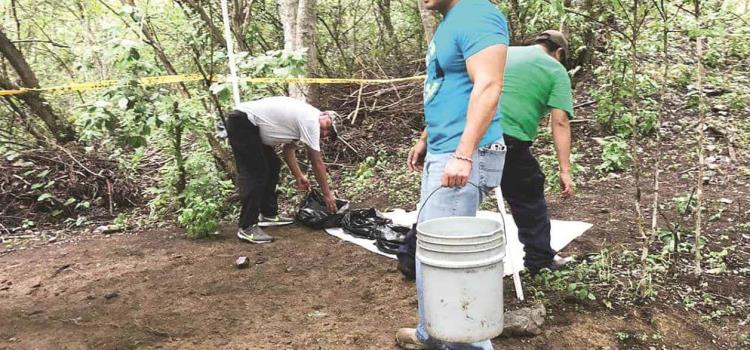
{"type": "Point", "coordinates": [465, 159]}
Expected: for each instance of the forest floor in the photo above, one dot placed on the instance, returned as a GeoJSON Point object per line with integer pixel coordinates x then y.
{"type": "Point", "coordinates": [307, 291]}
{"type": "Point", "coordinates": [157, 289]}
{"type": "Point", "coordinates": [154, 288]}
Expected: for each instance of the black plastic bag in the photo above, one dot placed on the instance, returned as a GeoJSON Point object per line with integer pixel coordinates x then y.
{"type": "Point", "coordinates": [389, 238]}
{"type": "Point", "coordinates": [312, 212]}
{"type": "Point", "coordinates": [362, 222]}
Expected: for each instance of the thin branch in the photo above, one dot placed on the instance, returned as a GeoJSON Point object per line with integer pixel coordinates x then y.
{"type": "Point", "coordinates": [41, 41]}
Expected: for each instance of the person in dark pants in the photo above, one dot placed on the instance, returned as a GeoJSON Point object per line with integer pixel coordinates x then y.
{"type": "Point", "coordinates": [536, 83]}
{"type": "Point", "coordinates": [253, 129]}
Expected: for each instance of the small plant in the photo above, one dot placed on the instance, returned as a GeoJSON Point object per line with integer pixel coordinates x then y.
{"type": "Point", "coordinates": [566, 281]}
{"type": "Point", "coordinates": [200, 217]}
{"type": "Point", "coordinates": [614, 155]}
{"type": "Point", "coordinates": [622, 336]}
{"type": "Point", "coordinates": [684, 204]}
{"type": "Point", "coordinates": [743, 339]}
{"type": "Point", "coordinates": [366, 169]}
{"type": "Point", "coordinates": [204, 199]}
{"type": "Point", "coordinates": [121, 221]}
{"type": "Point", "coordinates": [717, 260]}
{"type": "Point", "coordinates": [27, 224]}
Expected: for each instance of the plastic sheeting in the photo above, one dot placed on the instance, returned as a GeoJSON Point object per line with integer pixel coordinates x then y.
{"type": "Point", "coordinates": [563, 232]}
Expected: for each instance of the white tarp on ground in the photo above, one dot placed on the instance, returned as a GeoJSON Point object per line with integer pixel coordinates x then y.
{"type": "Point", "coordinates": [563, 232]}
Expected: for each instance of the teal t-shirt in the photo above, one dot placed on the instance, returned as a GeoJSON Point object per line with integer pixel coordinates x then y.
{"type": "Point", "coordinates": [469, 27]}
{"type": "Point", "coordinates": [534, 83]}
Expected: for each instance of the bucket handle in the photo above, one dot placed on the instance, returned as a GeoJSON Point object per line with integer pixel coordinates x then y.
{"type": "Point", "coordinates": [419, 214]}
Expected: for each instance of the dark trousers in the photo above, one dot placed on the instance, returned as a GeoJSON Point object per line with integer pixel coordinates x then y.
{"type": "Point", "coordinates": [258, 168]}
{"type": "Point", "coordinates": [523, 188]}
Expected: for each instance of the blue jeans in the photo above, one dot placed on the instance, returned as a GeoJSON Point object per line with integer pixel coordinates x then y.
{"type": "Point", "coordinates": [486, 172]}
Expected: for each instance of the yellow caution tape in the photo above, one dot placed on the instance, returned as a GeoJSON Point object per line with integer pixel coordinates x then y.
{"type": "Point", "coordinates": [184, 78]}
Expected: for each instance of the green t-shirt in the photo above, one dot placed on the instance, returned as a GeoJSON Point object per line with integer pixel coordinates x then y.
{"type": "Point", "coordinates": [534, 83]}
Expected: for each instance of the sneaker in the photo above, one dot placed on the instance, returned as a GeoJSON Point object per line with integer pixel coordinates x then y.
{"type": "Point", "coordinates": [254, 235]}
{"type": "Point", "coordinates": [271, 221]}
{"type": "Point", "coordinates": [406, 338]}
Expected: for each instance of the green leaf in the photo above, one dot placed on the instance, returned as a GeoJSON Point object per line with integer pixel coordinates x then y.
{"type": "Point", "coordinates": [49, 184]}
{"type": "Point", "coordinates": [37, 186]}
{"type": "Point", "coordinates": [43, 174]}
{"type": "Point", "coordinates": [70, 201]}
{"type": "Point", "coordinates": [44, 197]}
{"type": "Point", "coordinates": [57, 212]}
{"type": "Point", "coordinates": [28, 173]}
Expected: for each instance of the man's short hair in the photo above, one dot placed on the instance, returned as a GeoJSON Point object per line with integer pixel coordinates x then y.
{"type": "Point", "coordinates": [334, 119]}
{"type": "Point", "coordinates": [553, 40]}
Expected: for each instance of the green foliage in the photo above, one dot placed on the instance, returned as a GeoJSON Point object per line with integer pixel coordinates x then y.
{"type": "Point", "coordinates": [205, 197]}
{"type": "Point", "coordinates": [717, 259]}
{"type": "Point", "coordinates": [566, 281]}
{"type": "Point", "coordinates": [366, 169]}
{"type": "Point", "coordinates": [615, 155]}
{"type": "Point", "coordinates": [385, 174]}
{"type": "Point", "coordinates": [271, 64]}
{"type": "Point", "coordinates": [128, 113]}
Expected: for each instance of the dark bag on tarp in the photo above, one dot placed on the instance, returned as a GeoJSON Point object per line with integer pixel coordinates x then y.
{"type": "Point", "coordinates": [389, 238]}
{"type": "Point", "coordinates": [312, 212]}
{"type": "Point", "coordinates": [361, 222]}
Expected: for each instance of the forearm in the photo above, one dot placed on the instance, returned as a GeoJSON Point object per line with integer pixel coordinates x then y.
{"type": "Point", "coordinates": [321, 175]}
{"type": "Point", "coordinates": [423, 136]}
{"type": "Point", "coordinates": [290, 157]}
{"type": "Point", "coordinates": [561, 135]}
{"type": "Point", "coordinates": [482, 108]}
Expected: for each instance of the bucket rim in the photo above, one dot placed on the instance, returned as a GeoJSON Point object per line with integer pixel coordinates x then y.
{"type": "Point", "coordinates": [497, 231]}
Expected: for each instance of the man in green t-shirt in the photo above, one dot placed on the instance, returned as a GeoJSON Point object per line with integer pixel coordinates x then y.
{"type": "Point", "coordinates": [536, 83]}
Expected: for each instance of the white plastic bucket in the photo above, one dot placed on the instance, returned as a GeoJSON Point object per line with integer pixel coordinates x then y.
{"type": "Point", "coordinates": [462, 268]}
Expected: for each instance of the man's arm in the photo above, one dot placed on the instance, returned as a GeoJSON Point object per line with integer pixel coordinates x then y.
{"type": "Point", "coordinates": [415, 161]}
{"type": "Point", "coordinates": [290, 157]}
{"type": "Point", "coordinates": [486, 69]}
{"type": "Point", "coordinates": [561, 137]}
{"type": "Point", "coordinates": [319, 168]}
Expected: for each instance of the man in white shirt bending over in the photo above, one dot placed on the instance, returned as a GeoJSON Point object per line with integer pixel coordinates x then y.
{"type": "Point", "coordinates": [254, 128]}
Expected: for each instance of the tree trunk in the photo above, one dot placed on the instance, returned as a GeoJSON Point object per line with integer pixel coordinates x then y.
{"type": "Point", "coordinates": [701, 128]}
{"type": "Point", "coordinates": [429, 22]}
{"type": "Point", "coordinates": [662, 7]}
{"type": "Point", "coordinates": [61, 130]}
{"type": "Point", "coordinates": [384, 11]}
{"type": "Point", "coordinates": [240, 19]}
{"type": "Point", "coordinates": [644, 285]}
{"type": "Point", "coordinates": [299, 18]}
{"type": "Point", "coordinates": [589, 36]}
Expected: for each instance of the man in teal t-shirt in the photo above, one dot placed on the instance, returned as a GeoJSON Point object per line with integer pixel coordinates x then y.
{"type": "Point", "coordinates": [536, 83]}
{"type": "Point", "coordinates": [463, 140]}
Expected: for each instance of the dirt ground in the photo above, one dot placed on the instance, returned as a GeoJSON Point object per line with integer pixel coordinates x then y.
{"type": "Point", "coordinates": [306, 291]}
